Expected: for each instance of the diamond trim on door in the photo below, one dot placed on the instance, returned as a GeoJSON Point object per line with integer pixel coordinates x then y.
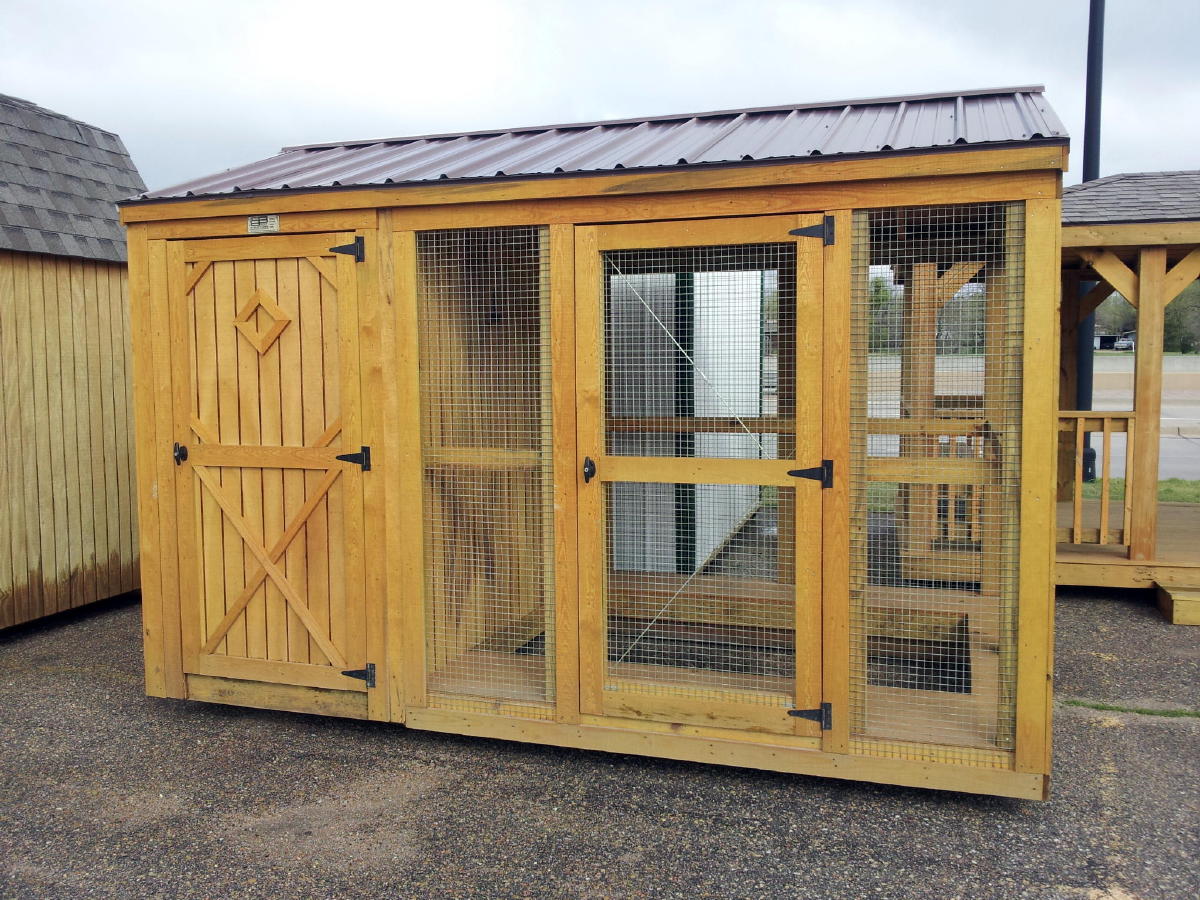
{"type": "Point", "coordinates": [261, 340]}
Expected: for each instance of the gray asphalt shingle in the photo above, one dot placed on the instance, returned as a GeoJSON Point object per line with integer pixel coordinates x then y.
{"type": "Point", "coordinates": [59, 183]}
{"type": "Point", "coordinates": [1134, 197]}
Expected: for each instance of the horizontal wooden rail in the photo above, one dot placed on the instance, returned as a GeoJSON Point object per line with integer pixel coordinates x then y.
{"type": "Point", "coordinates": [1078, 424]}
{"type": "Point", "coordinates": [243, 457]}
{"type": "Point", "coordinates": [701, 424]}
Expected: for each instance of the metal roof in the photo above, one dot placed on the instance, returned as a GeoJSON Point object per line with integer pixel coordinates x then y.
{"type": "Point", "coordinates": [1134, 197]}
{"type": "Point", "coordinates": [924, 122]}
{"type": "Point", "coordinates": [59, 183]}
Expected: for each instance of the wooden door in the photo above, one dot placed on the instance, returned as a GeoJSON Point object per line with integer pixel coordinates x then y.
{"type": "Point", "coordinates": [266, 400]}
{"type": "Point", "coordinates": [699, 366]}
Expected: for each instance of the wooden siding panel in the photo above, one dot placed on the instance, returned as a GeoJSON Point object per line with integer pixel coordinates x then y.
{"type": "Point", "coordinates": [66, 518]}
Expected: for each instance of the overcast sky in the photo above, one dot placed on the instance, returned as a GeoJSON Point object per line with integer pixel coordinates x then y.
{"type": "Point", "coordinates": [196, 87]}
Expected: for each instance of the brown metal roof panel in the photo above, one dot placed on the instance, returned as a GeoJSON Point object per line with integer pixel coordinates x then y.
{"type": "Point", "coordinates": [727, 137]}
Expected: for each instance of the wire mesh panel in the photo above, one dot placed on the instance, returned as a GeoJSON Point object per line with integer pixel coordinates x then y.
{"type": "Point", "coordinates": [935, 425]}
{"type": "Point", "coordinates": [699, 362]}
{"type": "Point", "coordinates": [697, 343]}
{"type": "Point", "coordinates": [485, 403]}
{"type": "Point", "coordinates": [696, 601]}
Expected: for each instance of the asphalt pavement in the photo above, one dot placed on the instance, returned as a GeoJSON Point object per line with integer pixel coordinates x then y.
{"type": "Point", "coordinates": [107, 793]}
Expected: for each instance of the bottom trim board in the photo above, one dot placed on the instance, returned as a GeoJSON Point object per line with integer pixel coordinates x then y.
{"type": "Point", "coordinates": [773, 753]}
{"type": "Point", "coordinates": [285, 697]}
{"type": "Point", "coordinates": [738, 753]}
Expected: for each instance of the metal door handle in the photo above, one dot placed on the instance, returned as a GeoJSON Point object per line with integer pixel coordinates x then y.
{"type": "Point", "coordinates": [179, 454]}
{"type": "Point", "coordinates": [589, 469]}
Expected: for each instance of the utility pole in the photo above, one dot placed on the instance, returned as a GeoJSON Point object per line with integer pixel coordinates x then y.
{"type": "Point", "coordinates": [1086, 340]}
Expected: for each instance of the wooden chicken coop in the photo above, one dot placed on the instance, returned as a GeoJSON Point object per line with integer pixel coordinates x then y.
{"type": "Point", "coordinates": [723, 437]}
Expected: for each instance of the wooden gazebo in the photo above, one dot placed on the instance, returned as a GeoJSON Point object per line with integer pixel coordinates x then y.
{"type": "Point", "coordinates": [1137, 234]}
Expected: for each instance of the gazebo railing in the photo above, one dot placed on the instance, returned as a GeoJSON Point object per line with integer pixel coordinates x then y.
{"type": "Point", "coordinates": [1091, 520]}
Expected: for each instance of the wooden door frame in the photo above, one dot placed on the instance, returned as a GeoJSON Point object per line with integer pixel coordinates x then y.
{"type": "Point", "coordinates": [185, 431]}
{"type": "Point", "coordinates": [591, 242]}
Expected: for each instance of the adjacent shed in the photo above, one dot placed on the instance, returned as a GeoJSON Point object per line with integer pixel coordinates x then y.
{"type": "Point", "coordinates": [67, 506]}
{"type": "Point", "coordinates": [1137, 234]}
{"type": "Point", "coordinates": [721, 437]}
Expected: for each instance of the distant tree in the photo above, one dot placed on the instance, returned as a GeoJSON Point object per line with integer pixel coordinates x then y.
{"type": "Point", "coordinates": [1181, 323]}
{"type": "Point", "coordinates": [1115, 316]}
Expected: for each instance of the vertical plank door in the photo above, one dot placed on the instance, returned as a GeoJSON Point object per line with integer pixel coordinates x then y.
{"type": "Point", "coordinates": [266, 401]}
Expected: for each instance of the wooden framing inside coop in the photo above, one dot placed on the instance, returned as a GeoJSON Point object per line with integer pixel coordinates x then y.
{"type": "Point", "coordinates": [745, 460]}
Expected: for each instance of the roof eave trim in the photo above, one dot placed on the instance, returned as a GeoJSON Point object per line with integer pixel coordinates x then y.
{"type": "Point", "coordinates": [1100, 223]}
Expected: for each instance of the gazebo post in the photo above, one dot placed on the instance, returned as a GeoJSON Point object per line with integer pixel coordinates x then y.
{"type": "Point", "coordinates": [1147, 403]}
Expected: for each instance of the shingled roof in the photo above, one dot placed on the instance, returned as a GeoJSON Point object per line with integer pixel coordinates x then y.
{"type": "Point", "coordinates": [1134, 197]}
{"type": "Point", "coordinates": [59, 181]}
{"type": "Point", "coordinates": [797, 132]}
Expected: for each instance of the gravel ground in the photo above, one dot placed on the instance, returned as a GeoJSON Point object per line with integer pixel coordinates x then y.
{"type": "Point", "coordinates": [106, 793]}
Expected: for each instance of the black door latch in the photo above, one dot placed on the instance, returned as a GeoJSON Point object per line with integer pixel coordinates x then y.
{"type": "Point", "coordinates": [589, 469]}
{"type": "Point", "coordinates": [179, 454]}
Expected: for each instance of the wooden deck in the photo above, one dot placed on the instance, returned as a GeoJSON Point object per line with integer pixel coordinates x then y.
{"type": "Point", "coordinates": [1176, 562]}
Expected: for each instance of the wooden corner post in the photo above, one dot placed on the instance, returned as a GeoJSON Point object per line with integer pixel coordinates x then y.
{"type": "Point", "coordinates": [1039, 431]}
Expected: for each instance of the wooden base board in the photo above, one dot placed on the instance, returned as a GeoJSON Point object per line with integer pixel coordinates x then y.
{"type": "Point", "coordinates": [1122, 573]}
{"type": "Point", "coordinates": [741, 753]}
{"type": "Point", "coordinates": [1181, 606]}
{"type": "Point", "coordinates": [285, 697]}
{"type": "Point", "coordinates": [775, 753]}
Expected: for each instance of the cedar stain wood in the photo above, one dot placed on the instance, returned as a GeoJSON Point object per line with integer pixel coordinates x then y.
{"type": "Point", "coordinates": [67, 509]}
{"type": "Point", "coordinates": [270, 567]}
{"type": "Point", "coordinates": [68, 523]}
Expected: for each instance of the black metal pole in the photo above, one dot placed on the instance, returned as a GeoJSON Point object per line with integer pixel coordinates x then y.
{"type": "Point", "coordinates": [1086, 335]}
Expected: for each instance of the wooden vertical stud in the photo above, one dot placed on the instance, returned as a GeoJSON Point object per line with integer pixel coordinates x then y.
{"type": "Point", "coordinates": [155, 457]}
{"type": "Point", "coordinates": [1147, 402]}
{"type": "Point", "coordinates": [835, 506]}
{"type": "Point", "coordinates": [1039, 436]}
{"type": "Point", "coordinates": [563, 450]}
{"type": "Point", "coordinates": [407, 622]}
{"type": "Point", "coordinates": [375, 308]}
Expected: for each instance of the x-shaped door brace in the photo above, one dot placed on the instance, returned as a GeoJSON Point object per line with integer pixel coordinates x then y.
{"type": "Point", "coordinates": [267, 559]}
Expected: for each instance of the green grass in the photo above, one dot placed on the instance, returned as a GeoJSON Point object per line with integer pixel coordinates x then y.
{"type": "Point", "coordinates": [881, 496]}
{"type": "Point", "coordinates": [1139, 710]}
{"type": "Point", "coordinates": [1170, 490]}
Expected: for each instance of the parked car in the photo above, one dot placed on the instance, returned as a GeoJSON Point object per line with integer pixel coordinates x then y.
{"type": "Point", "coordinates": [1124, 342]}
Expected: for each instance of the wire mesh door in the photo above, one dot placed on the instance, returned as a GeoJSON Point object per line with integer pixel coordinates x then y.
{"type": "Point", "coordinates": [699, 385]}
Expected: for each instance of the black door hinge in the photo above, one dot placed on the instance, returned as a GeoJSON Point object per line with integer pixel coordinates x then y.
{"type": "Point", "coordinates": [361, 458]}
{"type": "Point", "coordinates": [824, 231]}
{"type": "Point", "coordinates": [822, 473]}
{"type": "Point", "coordinates": [356, 248]}
{"type": "Point", "coordinates": [179, 454]}
{"type": "Point", "coordinates": [822, 714]}
{"type": "Point", "coordinates": [367, 674]}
